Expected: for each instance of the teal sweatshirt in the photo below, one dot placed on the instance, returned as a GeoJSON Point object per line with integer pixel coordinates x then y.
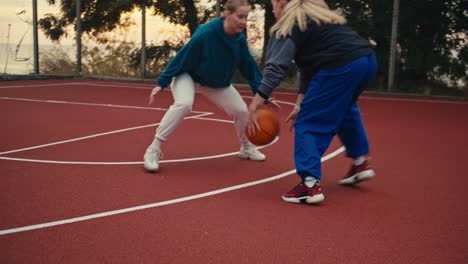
{"type": "Point", "coordinates": [211, 57]}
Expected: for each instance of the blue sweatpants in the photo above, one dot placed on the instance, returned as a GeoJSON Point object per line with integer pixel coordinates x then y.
{"type": "Point", "coordinates": [329, 108]}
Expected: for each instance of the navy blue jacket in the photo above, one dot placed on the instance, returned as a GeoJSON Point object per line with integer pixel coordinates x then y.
{"type": "Point", "coordinates": [320, 47]}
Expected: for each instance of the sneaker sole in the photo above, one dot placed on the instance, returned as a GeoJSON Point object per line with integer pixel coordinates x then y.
{"type": "Point", "coordinates": [359, 177]}
{"type": "Point", "coordinates": [151, 169]}
{"type": "Point", "coordinates": [307, 199]}
{"type": "Point", "coordinates": [294, 200]}
{"type": "Point", "coordinates": [247, 157]}
{"type": "Point", "coordinates": [318, 198]}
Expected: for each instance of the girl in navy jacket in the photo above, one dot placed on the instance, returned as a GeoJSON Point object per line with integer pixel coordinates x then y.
{"type": "Point", "coordinates": [336, 65]}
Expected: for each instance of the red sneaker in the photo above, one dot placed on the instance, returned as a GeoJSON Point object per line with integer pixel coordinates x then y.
{"type": "Point", "coordinates": [358, 174]}
{"type": "Point", "coordinates": [301, 193]}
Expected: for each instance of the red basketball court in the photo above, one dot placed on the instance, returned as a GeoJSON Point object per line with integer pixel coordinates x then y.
{"type": "Point", "coordinates": [73, 188]}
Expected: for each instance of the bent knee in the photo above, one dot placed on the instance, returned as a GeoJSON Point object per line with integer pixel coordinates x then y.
{"type": "Point", "coordinates": [185, 106]}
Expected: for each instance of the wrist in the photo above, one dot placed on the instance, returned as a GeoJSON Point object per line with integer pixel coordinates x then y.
{"type": "Point", "coordinates": [253, 107]}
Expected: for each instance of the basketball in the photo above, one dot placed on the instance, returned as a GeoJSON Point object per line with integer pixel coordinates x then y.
{"type": "Point", "coordinates": [269, 128]}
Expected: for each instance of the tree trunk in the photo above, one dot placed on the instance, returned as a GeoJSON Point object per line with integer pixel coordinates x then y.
{"type": "Point", "coordinates": [269, 22]}
{"type": "Point", "coordinates": [190, 15]}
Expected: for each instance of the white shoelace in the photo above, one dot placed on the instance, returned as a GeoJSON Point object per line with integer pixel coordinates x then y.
{"type": "Point", "coordinates": [157, 152]}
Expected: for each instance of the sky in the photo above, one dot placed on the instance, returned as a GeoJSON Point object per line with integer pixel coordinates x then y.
{"type": "Point", "coordinates": [10, 19]}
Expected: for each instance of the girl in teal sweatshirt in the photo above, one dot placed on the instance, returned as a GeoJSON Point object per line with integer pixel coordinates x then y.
{"type": "Point", "coordinates": [206, 64]}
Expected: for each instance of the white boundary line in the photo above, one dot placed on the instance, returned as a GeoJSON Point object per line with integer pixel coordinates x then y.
{"type": "Point", "coordinates": [383, 98]}
{"type": "Point", "coordinates": [199, 116]}
{"type": "Point", "coordinates": [246, 90]}
{"type": "Point", "coordinates": [90, 104]}
{"type": "Point", "coordinates": [158, 204]}
{"type": "Point", "coordinates": [92, 136]}
{"type": "Point", "coordinates": [38, 85]}
{"type": "Point", "coordinates": [435, 101]}
{"type": "Point", "coordinates": [118, 85]}
{"type": "Point", "coordinates": [129, 162]}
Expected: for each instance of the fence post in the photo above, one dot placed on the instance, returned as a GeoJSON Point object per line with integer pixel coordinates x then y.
{"type": "Point", "coordinates": [391, 67]}
{"type": "Point", "coordinates": [78, 37]}
{"type": "Point", "coordinates": [35, 38]}
{"type": "Point", "coordinates": [143, 39]}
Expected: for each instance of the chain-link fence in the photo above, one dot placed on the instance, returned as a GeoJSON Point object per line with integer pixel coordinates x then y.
{"type": "Point", "coordinates": [80, 39]}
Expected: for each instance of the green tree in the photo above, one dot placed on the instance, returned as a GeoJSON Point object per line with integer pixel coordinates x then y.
{"type": "Point", "coordinates": [102, 16]}
{"type": "Point", "coordinates": [97, 16]}
{"type": "Point", "coordinates": [431, 42]}
{"type": "Point", "coordinates": [190, 13]}
{"type": "Point", "coordinates": [269, 21]}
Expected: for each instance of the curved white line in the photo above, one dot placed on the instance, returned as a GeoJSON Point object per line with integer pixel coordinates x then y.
{"type": "Point", "coordinates": [127, 162]}
{"type": "Point", "coordinates": [90, 104]}
{"type": "Point", "coordinates": [158, 204]}
{"type": "Point", "coordinates": [93, 136]}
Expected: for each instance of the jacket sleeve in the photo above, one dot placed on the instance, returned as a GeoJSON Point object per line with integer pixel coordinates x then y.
{"type": "Point", "coordinates": [185, 60]}
{"type": "Point", "coordinates": [280, 54]}
{"type": "Point", "coordinates": [249, 68]}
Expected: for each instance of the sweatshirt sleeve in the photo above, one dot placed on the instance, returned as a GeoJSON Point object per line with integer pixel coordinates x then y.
{"type": "Point", "coordinates": [249, 68]}
{"type": "Point", "coordinates": [280, 54]}
{"type": "Point", "coordinates": [185, 60]}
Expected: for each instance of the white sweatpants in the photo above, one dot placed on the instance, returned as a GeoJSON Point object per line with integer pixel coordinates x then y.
{"type": "Point", "coordinates": [183, 91]}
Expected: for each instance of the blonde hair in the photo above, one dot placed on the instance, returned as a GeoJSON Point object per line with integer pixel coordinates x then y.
{"type": "Point", "coordinates": [298, 11]}
{"type": "Point", "coordinates": [232, 5]}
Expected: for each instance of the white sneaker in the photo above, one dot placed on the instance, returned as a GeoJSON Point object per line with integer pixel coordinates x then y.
{"type": "Point", "coordinates": [251, 153]}
{"type": "Point", "coordinates": [151, 159]}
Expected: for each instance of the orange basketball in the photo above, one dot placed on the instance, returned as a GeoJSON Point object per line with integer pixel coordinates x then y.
{"type": "Point", "coordinates": [269, 128]}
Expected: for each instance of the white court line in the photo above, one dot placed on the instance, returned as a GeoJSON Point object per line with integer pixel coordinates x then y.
{"type": "Point", "coordinates": [89, 104]}
{"type": "Point", "coordinates": [119, 86]}
{"type": "Point", "coordinates": [410, 100]}
{"type": "Point", "coordinates": [158, 204]}
{"type": "Point", "coordinates": [38, 85]}
{"type": "Point", "coordinates": [390, 98]}
{"type": "Point", "coordinates": [246, 90]}
{"type": "Point", "coordinates": [129, 162]}
{"type": "Point", "coordinates": [92, 136]}
{"type": "Point", "coordinates": [199, 116]}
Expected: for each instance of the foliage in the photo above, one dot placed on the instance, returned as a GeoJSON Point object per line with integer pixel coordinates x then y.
{"type": "Point", "coordinates": [432, 40]}
{"type": "Point", "coordinates": [185, 12]}
{"type": "Point", "coordinates": [97, 16]}
{"type": "Point", "coordinates": [157, 57]}
{"type": "Point", "coordinates": [269, 21]}
{"type": "Point", "coordinates": [428, 36]}
{"type": "Point", "coordinates": [110, 60]}
{"type": "Point", "coordinates": [104, 60]}
{"type": "Point", "coordinates": [56, 61]}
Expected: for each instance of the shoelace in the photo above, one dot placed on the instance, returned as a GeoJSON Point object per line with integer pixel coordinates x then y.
{"type": "Point", "coordinates": [160, 153]}
{"type": "Point", "coordinates": [297, 188]}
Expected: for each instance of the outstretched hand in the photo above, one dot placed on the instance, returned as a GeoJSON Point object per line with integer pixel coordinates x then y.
{"type": "Point", "coordinates": [252, 124]}
{"type": "Point", "coordinates": [273, 104]}
{"type": "Point", "coordinates": [155, 90]}
{"type": "Point", "coordinates": [292, 117]}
